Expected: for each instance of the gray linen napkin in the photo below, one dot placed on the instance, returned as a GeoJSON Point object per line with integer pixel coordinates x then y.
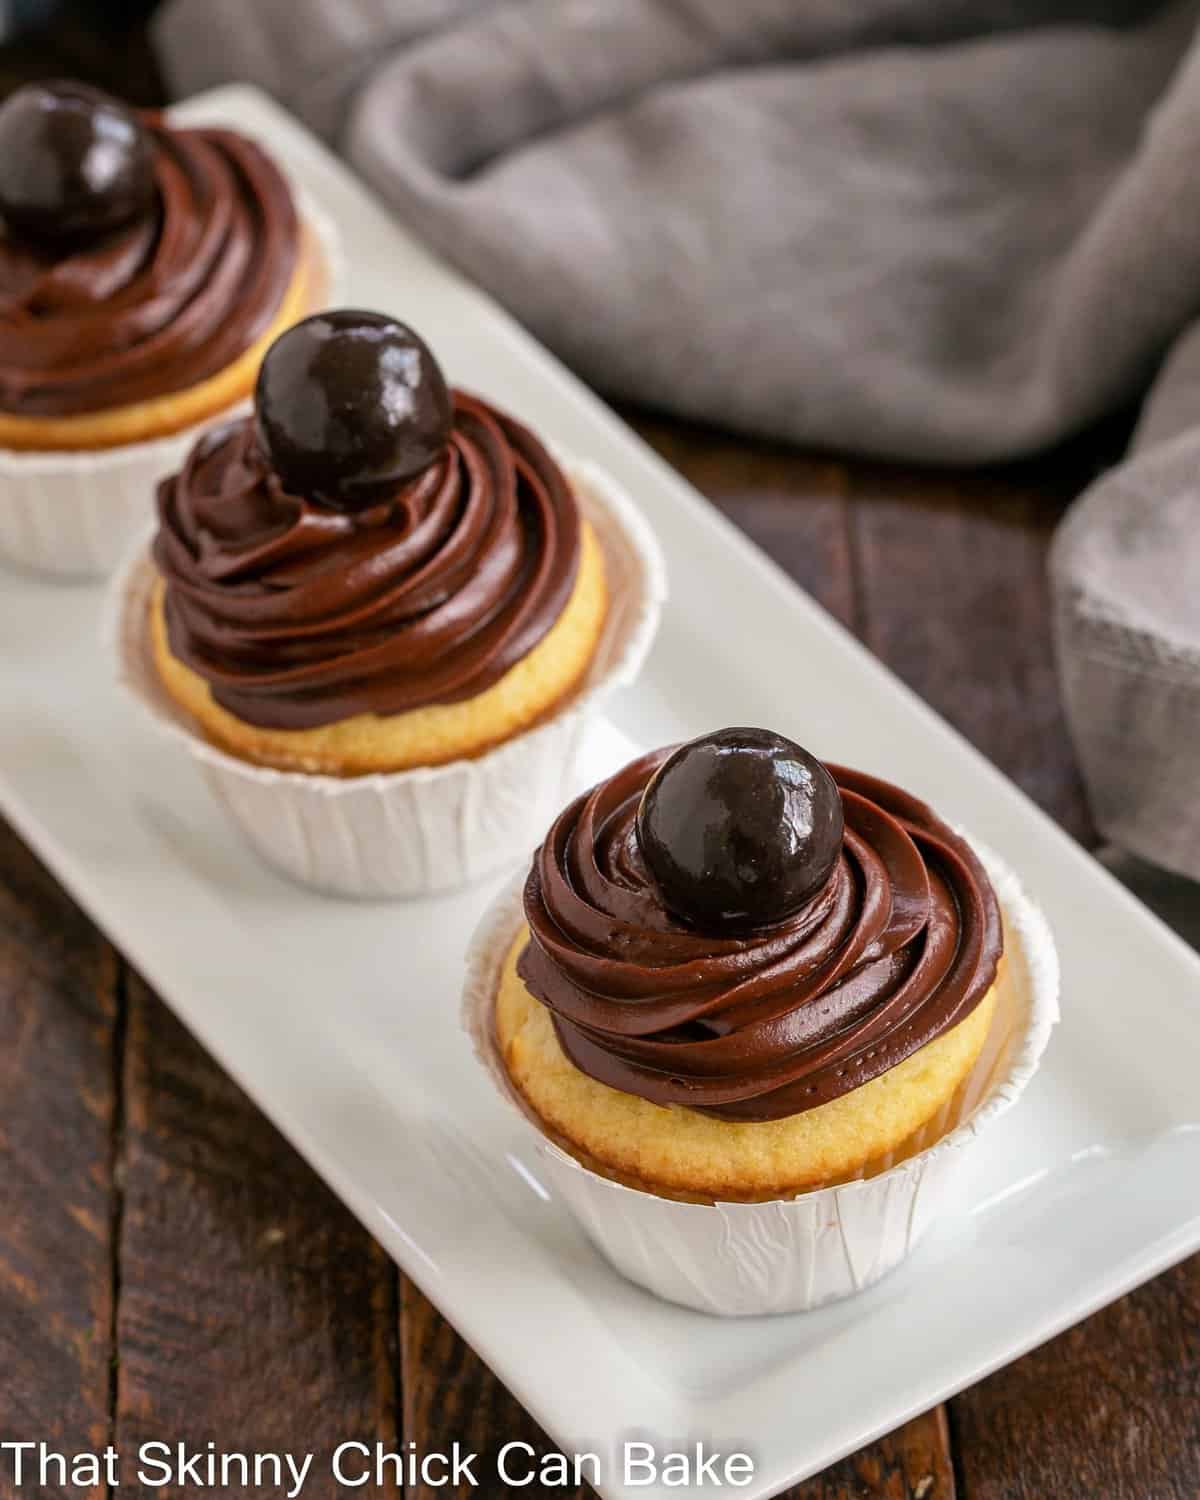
{"type": "Point", "coordinates": [948, 230]}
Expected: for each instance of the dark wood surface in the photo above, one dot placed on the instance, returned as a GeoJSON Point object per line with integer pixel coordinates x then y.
{"type": "Point", "coordinates": [169, 1269]}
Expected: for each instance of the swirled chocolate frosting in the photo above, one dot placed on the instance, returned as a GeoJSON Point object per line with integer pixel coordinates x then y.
{"type": "Point", "coordinates": [161, 304]}
{"type": "Point", "coordinates": [298, 615]}
{"type": "Point", "coordinates": [900, 944]}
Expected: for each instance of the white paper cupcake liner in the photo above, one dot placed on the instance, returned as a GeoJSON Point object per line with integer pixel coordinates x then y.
{"type": "Point", "coordinates": [432, 829]}
{"type": "Point", "coordinates": [75, 515]}
{"type": "Point", "coordinates": [745, 1259]}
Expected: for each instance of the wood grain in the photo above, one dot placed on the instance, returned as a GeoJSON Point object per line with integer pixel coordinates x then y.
{"type": "Point", "coordinates": [58, 1036]}
{"type": "Point", "coordinates": [253, 1309]}
{"type": "Point", "coordinates": [451, 1396]}
{"type": "Point", "coordinates": [794, 507]}
{"type": "Point", "coordinates": [912, 1463]}
{"type": "Point", "coordinates": [951, 575]}
{"type": "Point", "coordinates": [1108, 1411]}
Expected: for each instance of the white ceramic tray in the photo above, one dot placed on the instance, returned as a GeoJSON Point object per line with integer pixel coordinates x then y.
{"type": "Point", "coordinates": [342, 1021]}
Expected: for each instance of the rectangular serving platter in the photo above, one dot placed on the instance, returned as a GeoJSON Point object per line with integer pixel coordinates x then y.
{"type": "Point", "coordinates": [341, 1020]}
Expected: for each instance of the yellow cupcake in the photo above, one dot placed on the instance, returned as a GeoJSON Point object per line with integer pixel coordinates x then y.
{"type": "Point", "coordinates": [679, 1153]}
{"type": "Point", "coordinates": [428, 736]}
{"type": "Point", "coordinates": [749, 974]}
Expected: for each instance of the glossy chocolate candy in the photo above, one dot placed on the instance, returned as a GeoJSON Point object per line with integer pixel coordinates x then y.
{"type": "Point", "coordinates": [739, 828]}
{"type": "Point", "coordinates": [349, 404]}
{"type": "Point", "coordinates": [75, 164]}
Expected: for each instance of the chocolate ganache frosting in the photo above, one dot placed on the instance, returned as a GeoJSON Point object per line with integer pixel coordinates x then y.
{"type": "Point", "coordinates": [298, 614]}
{"type": "Point", "coordinates": [161, 303]}
{"type": "Point", "coordinates": [899, 944]}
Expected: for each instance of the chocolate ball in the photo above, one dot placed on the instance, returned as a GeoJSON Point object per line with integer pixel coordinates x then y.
{"type": "Point", "coordinates": [350, 404]}
{"type": "Point", "coordinates": [739, 829]}
{"type": "Point", "coordinates": [75, 164]}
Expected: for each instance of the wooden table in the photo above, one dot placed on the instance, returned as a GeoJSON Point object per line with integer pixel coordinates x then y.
{"type": "Point", "coordinates": [169, 1268]}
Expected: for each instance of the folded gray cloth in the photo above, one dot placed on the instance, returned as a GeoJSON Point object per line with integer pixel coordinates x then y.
{"type": "Point", "coordinates": [949, 230]}
{"type": "Point", "coordinates": [1126, 573]}
{"type": "Point", "coordinates": [885, 227]}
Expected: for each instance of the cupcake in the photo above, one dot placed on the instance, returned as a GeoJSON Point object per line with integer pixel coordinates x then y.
{"type": "Point", "coordinates": [745, 996]}
{"type": "Point", "coordinates": [144, 270]}
{"type": "Point", "coordinates": [379, 608]}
